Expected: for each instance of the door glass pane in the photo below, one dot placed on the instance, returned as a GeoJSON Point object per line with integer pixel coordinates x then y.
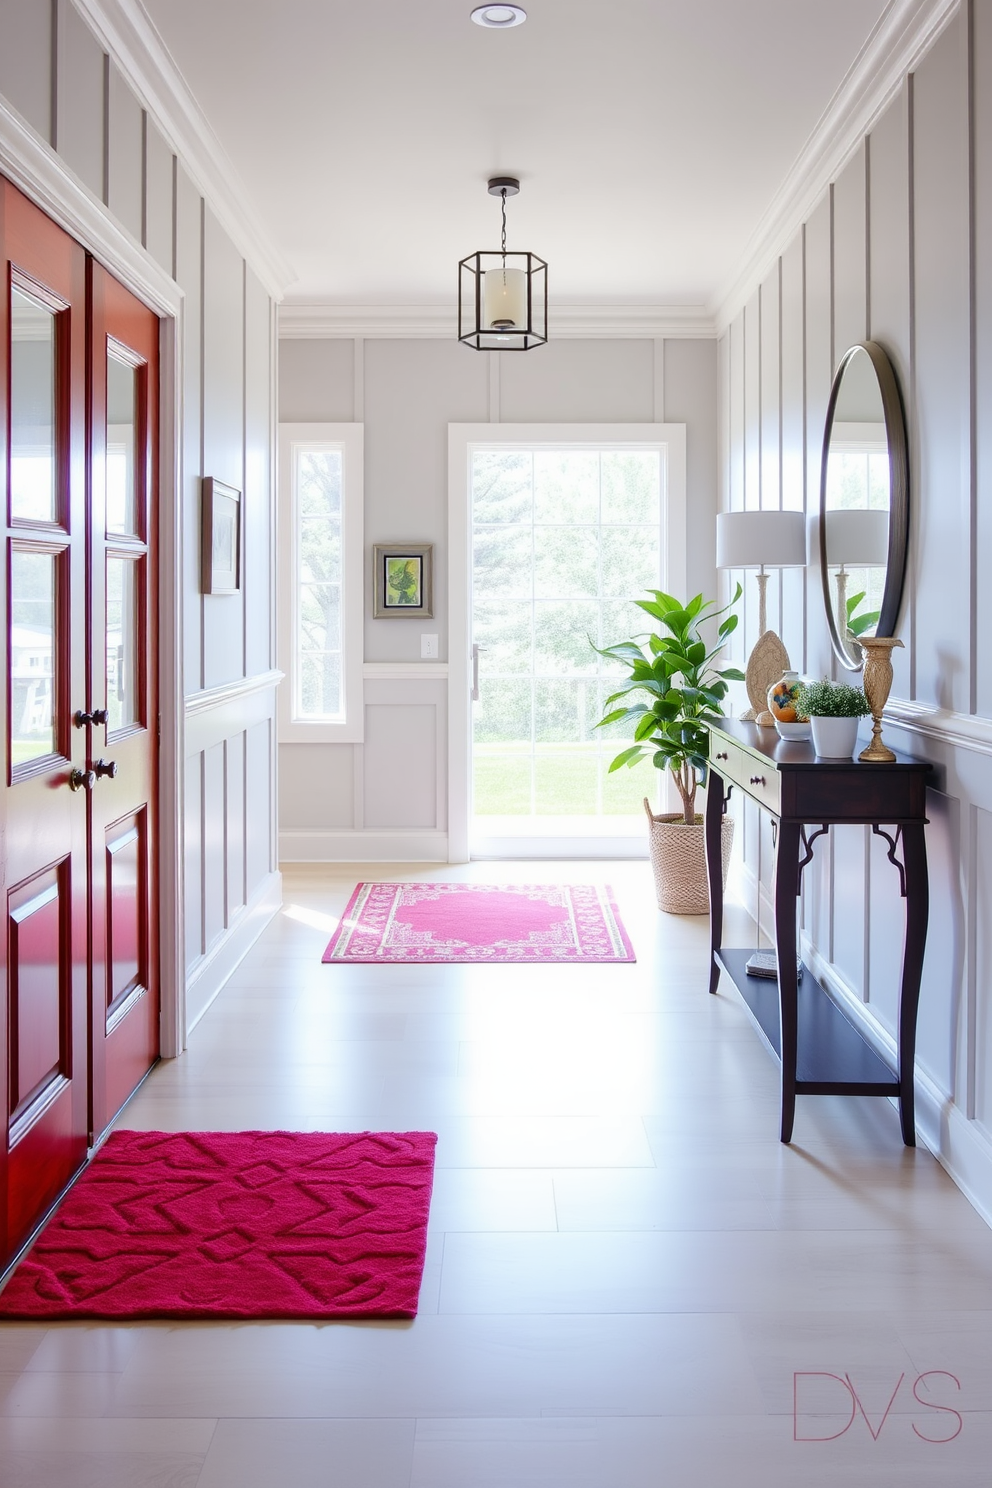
{"type": "Point", "coordinates": [122, 635]}
{"type": "Point", "coordinates": [563, 541]}
{"type": "Point", "coordinates": [122, 431]}
{"type": "Point", "coordinates": [32, 410]}
{"type": "Point", "coordinates": [32, 652]}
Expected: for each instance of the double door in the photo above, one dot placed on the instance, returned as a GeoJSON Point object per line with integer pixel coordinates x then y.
{"type": "Point", "coordinates": [78, 439]}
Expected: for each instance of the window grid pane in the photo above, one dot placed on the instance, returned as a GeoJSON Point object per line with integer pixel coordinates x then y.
{"type": "Point", "coordinates": [32, 410]}
{"type": "Point", "coordinates": [317, 636]}
{"type": "Point", "coordinates": [562, 543]}
{"type": "Point", "coordinates": [33, 578]}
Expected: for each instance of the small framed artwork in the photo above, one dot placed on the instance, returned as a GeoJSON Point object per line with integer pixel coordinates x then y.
{"type": "Point", "coordinates": [403, 580]}
{"type": "Point", "coordinates": [221, 541]}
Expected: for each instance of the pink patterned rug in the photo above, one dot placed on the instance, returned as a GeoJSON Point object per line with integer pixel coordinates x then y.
{"type": "Point", "coordinates": [480, 922]}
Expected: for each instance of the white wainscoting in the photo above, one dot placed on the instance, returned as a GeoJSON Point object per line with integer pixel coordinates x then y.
{"type": "Point", "coordinates": [233, 887]}
{"type": "Point", "coordinates": [398, 807]}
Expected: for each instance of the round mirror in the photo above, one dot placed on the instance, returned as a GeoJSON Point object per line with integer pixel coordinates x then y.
{"type": "Point", "coordinates": [864, 502]}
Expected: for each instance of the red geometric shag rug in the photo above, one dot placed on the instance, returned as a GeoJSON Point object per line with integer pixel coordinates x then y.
{"type": "Point", "coordinates": [450, 922]}
{"type": "Point", "coordinates": [253, 1224]}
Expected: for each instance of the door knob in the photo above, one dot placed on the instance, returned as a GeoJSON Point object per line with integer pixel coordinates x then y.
{"type": "Point", "coordinates": [82, 780]}
{"type": "Point", "coordinates": [98, 716]}
{"type": "Point", "coordinates": [106, 767]}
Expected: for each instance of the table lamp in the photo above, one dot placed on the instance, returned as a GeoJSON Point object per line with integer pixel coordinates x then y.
{"type": "Point", "coordinates": [855, 539]}
{"type": "Point", "coordinates": [762, 539]}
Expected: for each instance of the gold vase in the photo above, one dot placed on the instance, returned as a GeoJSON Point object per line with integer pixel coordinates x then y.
{"type": "Point", "coordinates": [877, 681]}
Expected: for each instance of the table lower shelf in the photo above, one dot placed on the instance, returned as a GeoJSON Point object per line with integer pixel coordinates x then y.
{"type": "Point", "coordinates": [832, 1056]}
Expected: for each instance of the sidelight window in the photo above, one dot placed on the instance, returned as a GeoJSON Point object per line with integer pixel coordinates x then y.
{"type": "Point", "coordinates": [320, 541]}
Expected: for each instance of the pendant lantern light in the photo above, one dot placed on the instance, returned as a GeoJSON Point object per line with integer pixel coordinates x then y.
{"type": "Point", "coordinates": [503, 296]}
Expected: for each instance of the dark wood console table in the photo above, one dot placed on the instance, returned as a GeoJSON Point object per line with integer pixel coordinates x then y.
{"type": "Point", "coordinates": [821, 1051]}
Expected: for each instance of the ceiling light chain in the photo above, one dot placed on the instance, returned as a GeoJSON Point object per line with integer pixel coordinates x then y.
{"type": "Point", "coordinates": [503, 296]}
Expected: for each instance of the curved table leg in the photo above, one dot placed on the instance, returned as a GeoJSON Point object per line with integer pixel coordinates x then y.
{"type": "Point", "coordinates": [716, 798]}
{"type": "Point", "coordinates": [914, 853]}
{"type": "Point", "coordinates": [786, 891]}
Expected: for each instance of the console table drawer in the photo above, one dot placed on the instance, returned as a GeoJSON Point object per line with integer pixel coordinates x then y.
{"type": "Point", "coordinates": [758, 778]}
{"type": "Point", "coordinates": [726, 759]}
{"type": "Point", "coordinates": [761, 782]}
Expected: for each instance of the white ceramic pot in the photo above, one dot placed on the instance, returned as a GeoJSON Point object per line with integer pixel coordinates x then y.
{"type": "Point", "coordinates": [835, 738]}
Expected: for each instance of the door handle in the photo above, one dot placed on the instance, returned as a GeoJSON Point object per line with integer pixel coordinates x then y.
{"type": "Point", "coordinates": [82, 780]}
{"type": "Point", "coordinates": [107, 768]}
{"type": "Point", "coordinates": [98, 716]}
{"type": "Point", "coordinates": [475, 672]}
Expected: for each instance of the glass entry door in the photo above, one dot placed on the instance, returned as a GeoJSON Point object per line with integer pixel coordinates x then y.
{"type": "Point", "coordinates": [563, 540]}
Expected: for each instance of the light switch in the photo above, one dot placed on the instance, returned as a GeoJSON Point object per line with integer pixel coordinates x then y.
{"type": "Point", "coordinates": [428, 648]}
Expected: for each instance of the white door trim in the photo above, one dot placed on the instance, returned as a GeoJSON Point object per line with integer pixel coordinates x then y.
{"type": "Point", "coordinates": [462, 439]}
{"type": "Point", "coordinates": [35, 170]}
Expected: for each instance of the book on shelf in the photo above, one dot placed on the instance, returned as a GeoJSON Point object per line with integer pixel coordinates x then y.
{"type": "Point", "coordinates": [763, 964]}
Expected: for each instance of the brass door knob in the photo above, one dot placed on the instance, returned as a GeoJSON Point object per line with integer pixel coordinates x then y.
{"type": "Point", "coordinates": [82, 780]}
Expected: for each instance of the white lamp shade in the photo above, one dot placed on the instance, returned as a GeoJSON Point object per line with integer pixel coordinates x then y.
{"type": "Point", "coordinates": [504, 297]}
{"type": "Point", "coordinates": [761, 539]}
{"type": "Point", "coordinates": [857, 539]}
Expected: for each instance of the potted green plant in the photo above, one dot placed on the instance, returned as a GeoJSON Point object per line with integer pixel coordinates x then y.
{"type": "Point", "coordinates": [833, 709]}
{"type": "Point", "coordinates": [674, 666]}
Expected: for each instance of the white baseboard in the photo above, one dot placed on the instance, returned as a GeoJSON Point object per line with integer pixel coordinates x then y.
{"type": "Point", "coordinates": [556, 848]}
{"type": "Point", "coordinates": [308, 846]}
{"type": "Point", "coordinates": [206, 977]}
{"type": "Point", "coordinates": [957, 1143]}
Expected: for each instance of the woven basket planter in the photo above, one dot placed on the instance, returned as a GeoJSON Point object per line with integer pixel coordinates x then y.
{"type": "Point", "coordinates": [678, 857]}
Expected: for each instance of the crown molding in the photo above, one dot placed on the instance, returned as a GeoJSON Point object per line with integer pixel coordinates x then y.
{"type": "Point", "coordinates": [300, 321]}
{"type": "Point", "coordinates": [905, 31]}
{"type": "Point", "coordinates": [34, 168]}
{"type": "Point", "coordinates": [126, 31]}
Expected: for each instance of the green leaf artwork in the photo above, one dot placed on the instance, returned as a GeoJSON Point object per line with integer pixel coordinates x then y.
{"type": "Point", "coordinates": [403, 581]}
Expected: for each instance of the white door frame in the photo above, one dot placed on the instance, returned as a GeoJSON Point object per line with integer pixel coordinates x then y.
{"type": "Point", "coordinates": [36, 171]}
{"type": "Point", "coordinates": [463, 439]}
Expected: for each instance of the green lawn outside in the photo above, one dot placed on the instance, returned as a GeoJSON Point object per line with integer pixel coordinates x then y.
{"type": "Point", "coordinates": [569, 780]}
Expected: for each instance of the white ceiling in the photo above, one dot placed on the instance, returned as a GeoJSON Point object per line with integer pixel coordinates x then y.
{"type": "Point", "coordinates": [650, 136]}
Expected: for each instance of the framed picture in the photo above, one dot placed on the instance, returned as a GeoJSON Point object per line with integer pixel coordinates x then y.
{"type": "Point", "coordinates": [403, 580]}
{"type": "Point", "coordinates": [220, 550]}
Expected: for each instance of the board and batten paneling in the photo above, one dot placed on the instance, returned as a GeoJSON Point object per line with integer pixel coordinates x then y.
{"type": "Point", "coordinates": [895, 249]}
{"type": "Point", "coordinates": [348, 800]}
{"type": "Point", "coordinates": [83, 102]}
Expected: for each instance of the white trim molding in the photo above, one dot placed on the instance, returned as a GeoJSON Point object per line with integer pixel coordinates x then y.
{"type": "Point", "coordinates": [299, 321]}
{"type": "Point", "coordinates": [904, 33]}
{"type": "Point", "coordinates": [126, 31]}
{"type": "Point", "coordinates": [229, 692]}
{"type": "Point", "coordinates": [363, 846]}
{"type": "Point", "coordinates": [405, 671]}
{"type": "Point", "coordinates": [34, 168]}
{"type": "Point", "coordinates": [960, 730]}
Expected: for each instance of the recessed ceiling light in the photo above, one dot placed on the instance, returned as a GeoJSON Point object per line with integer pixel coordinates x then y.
{"type": "Point", "coordinates": [499, 17]}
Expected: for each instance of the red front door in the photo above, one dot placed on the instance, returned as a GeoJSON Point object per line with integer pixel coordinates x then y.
{"type": "Point", "coordinates": [79, 1011]}
{"type": "Point", "coordinates": [123, 694]}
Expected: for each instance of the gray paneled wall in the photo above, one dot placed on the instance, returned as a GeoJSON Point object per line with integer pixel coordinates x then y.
{"type": "Point", "coordinates": [897, 250]}
{"type": "Point", "coordinates": [57, 75]}
{"type": "Point", "coordinates": [406, 392]}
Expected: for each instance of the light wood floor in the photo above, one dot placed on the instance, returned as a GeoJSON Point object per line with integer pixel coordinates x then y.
{"type": "Point", "coordinates": [630, 1283]}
